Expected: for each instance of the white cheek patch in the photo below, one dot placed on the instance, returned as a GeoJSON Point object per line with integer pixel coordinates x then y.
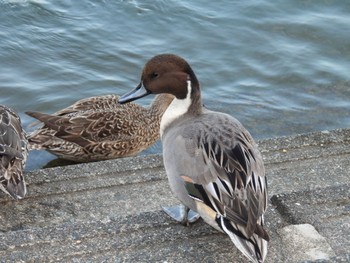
{"type": "Point", "coordinates": [176, 109]}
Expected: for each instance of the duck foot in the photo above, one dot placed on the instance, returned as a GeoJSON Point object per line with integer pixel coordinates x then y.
{"type": "Point", "coordinates": [182, 214]}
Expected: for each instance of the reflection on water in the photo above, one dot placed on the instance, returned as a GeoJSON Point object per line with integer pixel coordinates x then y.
{"type": "Point", "coordinates": [279, 67]}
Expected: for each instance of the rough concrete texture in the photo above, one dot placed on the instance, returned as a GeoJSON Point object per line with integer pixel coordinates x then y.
{"type": "Point", "coordinates": [110, 211]}
{"type": "Point", "coordinates": [304, 242]}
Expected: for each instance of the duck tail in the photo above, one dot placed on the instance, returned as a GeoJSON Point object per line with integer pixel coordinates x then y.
{"type": "Point", "coordinates": [254, 247]}
{"type": "Point", "coordinates": [13, 186]}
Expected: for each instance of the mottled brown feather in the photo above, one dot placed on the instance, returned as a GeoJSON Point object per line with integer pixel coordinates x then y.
{"type": "Point", "coordinates": [13, 153]}
{"type": "Point", "coordinates": [99, 128]}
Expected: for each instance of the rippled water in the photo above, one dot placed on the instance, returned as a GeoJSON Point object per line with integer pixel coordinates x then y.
{"type": "Point", "coordinates": [280, 67]}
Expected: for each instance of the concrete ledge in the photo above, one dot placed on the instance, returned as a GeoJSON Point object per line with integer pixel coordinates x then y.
{"type": "Point", "coordinates": [110, 211]}
{"type": "Point", "coordinates": [305, 242]}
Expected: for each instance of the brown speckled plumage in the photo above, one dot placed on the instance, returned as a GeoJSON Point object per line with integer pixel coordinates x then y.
{"type": "Point", "coordinates": [99, 128]}
{"type": "Point", "coordinates": [13, 153]}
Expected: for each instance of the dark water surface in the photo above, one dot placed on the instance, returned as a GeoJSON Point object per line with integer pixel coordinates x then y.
{"type": "Point", "coordinates": [280, 67]}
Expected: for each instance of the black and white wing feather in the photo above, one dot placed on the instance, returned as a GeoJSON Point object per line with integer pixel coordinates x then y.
{"type": "Point", "coordinates": [225, 172]}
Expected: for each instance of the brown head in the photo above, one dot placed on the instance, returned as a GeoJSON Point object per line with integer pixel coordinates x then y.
{"type": "Point", "coordinates": [166, 73]}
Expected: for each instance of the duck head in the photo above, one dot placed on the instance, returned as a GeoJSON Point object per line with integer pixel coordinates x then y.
{"type": "Point", "coordinates": [165, 73]}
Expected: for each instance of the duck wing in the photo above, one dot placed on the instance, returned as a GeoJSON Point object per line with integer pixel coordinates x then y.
{"type": "Point", "coordinates": [222, 169]}
{"type": "Point", "coordinates": [84, 129]}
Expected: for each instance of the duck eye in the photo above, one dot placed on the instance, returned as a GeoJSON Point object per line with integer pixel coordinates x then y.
{"type": "Point", "coordinates": [154, 75]}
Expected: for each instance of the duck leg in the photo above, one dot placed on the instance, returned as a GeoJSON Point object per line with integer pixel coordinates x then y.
{"type": "Point", "coordinates": [182, 214]}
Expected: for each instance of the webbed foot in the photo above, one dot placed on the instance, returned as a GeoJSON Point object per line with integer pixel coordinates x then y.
{"type": "Point", "coordinates": [182, 214]}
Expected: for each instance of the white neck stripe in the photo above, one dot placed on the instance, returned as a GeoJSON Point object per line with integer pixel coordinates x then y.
{"type": "Point", "coordinates": [176, 108]}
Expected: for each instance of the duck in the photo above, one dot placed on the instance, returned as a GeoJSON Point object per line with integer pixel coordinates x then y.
{"type": "Point", "coordinates": [99, 128]}
{"type": "Point", "coordinates": [13, 153]}
{"type": "Point", "coordinates": [213, 164]}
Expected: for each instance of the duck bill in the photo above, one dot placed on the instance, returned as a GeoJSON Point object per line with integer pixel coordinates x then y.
{"type": "Point", "coordinates": [139, 92]}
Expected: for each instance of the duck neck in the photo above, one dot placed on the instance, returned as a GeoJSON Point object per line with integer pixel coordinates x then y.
{"type": "Point", "coordinates": [190, 105]}
{"type": "Point", "coordinates": [160, 104]}
{"type": "Point", "coordinates": [195, 108]}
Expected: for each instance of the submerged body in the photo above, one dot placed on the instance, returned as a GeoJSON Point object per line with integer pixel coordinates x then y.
{"type": "Point", "coordinates": [213, 164]}
{"type": "Point", "coordinates": [13, 153]}
{"type": "Point", "coordinates": [99, 128]}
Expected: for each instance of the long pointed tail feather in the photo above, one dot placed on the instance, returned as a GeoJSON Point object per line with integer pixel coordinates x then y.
{"type": "Point", "coordinates": [254, 247]}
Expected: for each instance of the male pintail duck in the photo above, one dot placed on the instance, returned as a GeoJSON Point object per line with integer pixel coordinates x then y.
{"type": "Point", "coordinates": [213, 164]}
{"type": "Point", "coordinates": [13, 153]}
{"type": "Point", "coordinates": [99, 128]}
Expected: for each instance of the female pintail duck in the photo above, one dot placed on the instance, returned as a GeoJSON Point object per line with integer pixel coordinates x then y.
{"type": "Point", "coordinates": [99, 128]}
{"type": "Point", "coordinates": [13, 153]}
{"type": "Point", "coordinates": [213, 164]}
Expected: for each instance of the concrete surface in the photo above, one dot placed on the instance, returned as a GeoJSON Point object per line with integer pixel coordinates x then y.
{"type": "Point", "coordinates": [110, 211]}
{"type": "Point", "coordinates": [304, 242]}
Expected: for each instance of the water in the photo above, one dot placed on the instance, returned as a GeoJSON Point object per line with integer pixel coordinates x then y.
{"type": "Point", "coordinates": [280, 67]}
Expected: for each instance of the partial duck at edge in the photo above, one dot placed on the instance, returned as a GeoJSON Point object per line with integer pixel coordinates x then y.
{"type": "Point", "coordinates": [13, 153]}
